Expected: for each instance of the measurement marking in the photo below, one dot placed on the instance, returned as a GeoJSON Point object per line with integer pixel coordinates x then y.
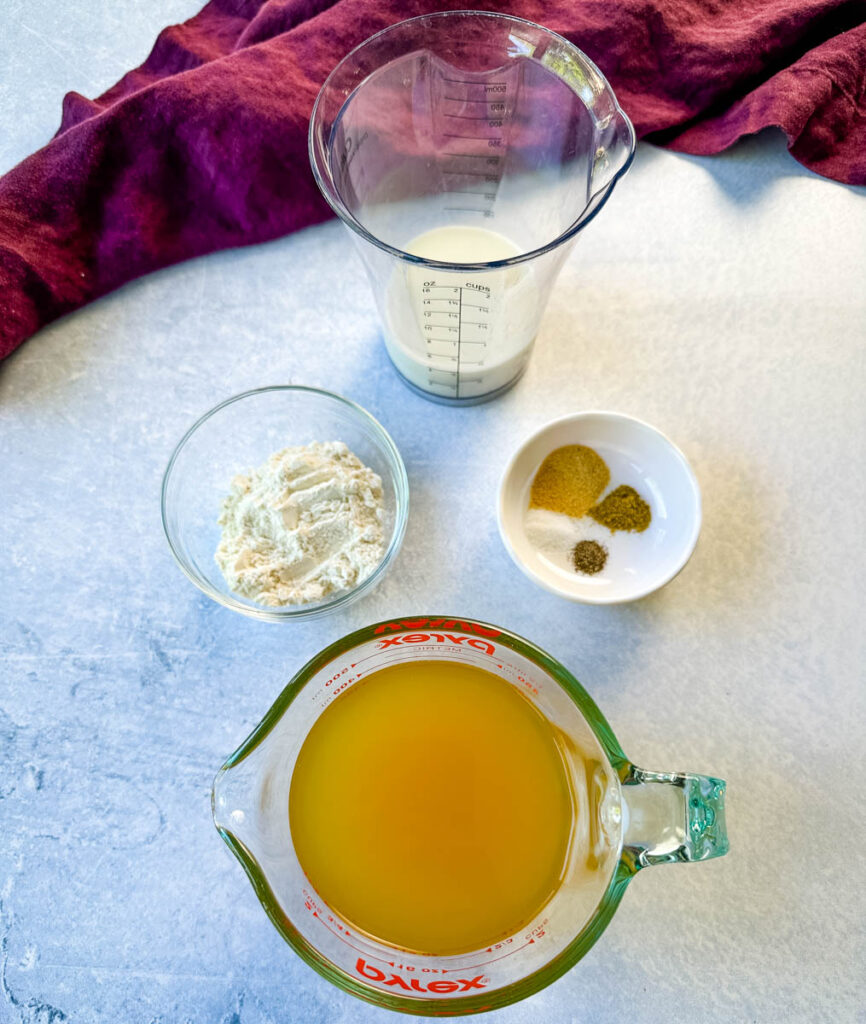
{"type": "Point", "coordinates": [463, 81]}
{"type": "Point", "coordinates": [339, 936]}
{"type": "Point", "coordinates": [439, 653]}
{"type": "Point", "coordinates": [466, 99]}
{"type": "Point", "coordinates": [434, 652]}
{"type": "Point", "coordinates": [475, 117]}
{"type": "Point", "coordinates": [504, 955]}
{"type": "Point", "coordinates": [467, 192]}
{"type": "Point", "coordinates": [477, 156]}
{"type": "Point", "coordinates": [368, 658]}
{"type": "Point", "coordinates": [465, 209]}
{"type": "Point", "coordinates": [475, 138]}
{"type": "Point", "coordinates": [475, 174]}
{"type": "Point", "coordinates": [459, 333]}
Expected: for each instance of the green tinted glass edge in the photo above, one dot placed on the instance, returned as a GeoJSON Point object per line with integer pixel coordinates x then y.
{"type": "Point", "coordinates": [575, 951]}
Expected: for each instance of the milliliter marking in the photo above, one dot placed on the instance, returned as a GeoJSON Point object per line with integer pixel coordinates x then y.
{"type": "Point", "coordinates": [459, 336]}
{"type": "Point", "coordinates": [487, 104]}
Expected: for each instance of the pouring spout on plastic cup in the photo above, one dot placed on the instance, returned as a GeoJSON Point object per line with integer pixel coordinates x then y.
{"type": "Point", "coordinates": [465, 152]}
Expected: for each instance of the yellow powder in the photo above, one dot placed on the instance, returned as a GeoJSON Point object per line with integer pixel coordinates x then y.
{"type": "Point", "coordinates": [569, 481]}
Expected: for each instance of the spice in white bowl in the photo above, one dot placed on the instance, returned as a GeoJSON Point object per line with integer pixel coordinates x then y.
{"type": "Point", "coordinates": [569, 481]}
{"type": "Point", "coordinates": [307, 523]}
{"type": "Point", "coordinates": [564, 505]}
{"type": "Point", "coordinates": [589, 557]}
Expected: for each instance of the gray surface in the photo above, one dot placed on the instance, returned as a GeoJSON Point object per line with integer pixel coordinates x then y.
{"type": "Point", "coordinates": [722, 300]}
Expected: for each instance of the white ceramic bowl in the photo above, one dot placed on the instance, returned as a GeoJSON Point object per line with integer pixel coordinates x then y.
{"type": "Point", "coordinates": [638, 563]}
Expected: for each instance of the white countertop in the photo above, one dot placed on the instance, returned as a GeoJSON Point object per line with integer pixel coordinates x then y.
{"type": "Point", "coordinates": [721, 300]}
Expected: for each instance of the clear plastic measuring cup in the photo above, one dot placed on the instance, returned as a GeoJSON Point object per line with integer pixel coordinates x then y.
{"type": "Point", "coordinates": [626, 819]}
{"type": "Point", "coordinates": [465, 151]}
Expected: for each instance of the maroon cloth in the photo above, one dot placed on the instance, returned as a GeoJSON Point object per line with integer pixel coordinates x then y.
{"type": "Point", "coordinates": [205, 145]}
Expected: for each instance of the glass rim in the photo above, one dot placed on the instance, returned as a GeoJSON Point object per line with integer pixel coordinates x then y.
{"type": "Point", "coordinates": [323, 177]}
{"type": "Point", "coordinates": [295, 612]}
{"type": "Point", "coordinates": [538, 979]}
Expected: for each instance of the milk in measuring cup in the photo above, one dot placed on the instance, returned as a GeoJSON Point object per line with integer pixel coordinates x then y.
{"type": "Point", "coordinates": [457, 333]}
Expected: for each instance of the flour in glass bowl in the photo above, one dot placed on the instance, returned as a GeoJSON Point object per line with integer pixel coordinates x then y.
{"type": "Point", "coordinates": [305, 525]}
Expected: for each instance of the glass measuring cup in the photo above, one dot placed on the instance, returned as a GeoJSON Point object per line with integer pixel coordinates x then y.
{"type": "Point", "coordinates": [465, 151]}
{"type": "Point", "coordinates": [626, 819]}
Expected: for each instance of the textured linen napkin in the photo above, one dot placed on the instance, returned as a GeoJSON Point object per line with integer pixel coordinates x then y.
{"type": "Point", "coordinates": [205, 145]}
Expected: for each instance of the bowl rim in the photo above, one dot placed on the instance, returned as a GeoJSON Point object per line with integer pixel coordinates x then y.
{"type": "Point", "coordinates": [321, 164]}
{"type": "Point", "coordinates": [601, 599]}
{"type": "Point", "coordinates": [621, 875]}
{"type": "Point", "coordinates": [287, 613]}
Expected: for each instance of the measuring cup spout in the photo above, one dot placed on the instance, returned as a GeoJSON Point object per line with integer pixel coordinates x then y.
{"type": "Point", "coordinates": [613, 137]}
{"type": "Point", "coordinates": [613, 154]}
{"type": "Point", "coordinates": [229, 801]}
{"type": "Point", "coordinates": [235, 799]}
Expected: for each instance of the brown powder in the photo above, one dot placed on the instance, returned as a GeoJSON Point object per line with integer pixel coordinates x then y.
{"type": "Point", "coordinates": [589, 557]}
{"type": "Point", "coordinates": [569, 481]}
{"type": "Point", "coordinates": [623, 509]}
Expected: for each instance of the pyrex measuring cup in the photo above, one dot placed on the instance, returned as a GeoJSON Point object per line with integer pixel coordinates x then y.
{"type": "Point", "coordinates": [466, 151]}
{"type": "Point", "coordinates": [626, 819]}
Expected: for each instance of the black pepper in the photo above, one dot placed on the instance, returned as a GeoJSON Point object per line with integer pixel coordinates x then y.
{"type": "Point", "coordinates": [589, 557]}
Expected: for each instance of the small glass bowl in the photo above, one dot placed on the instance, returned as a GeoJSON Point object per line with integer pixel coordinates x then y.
{"type": "Point", "coordinates": [240, 434]}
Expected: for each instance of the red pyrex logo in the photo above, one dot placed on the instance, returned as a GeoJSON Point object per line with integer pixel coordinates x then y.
{"type": "Point", "coordinates": [414, 984]}
{"type": "Point", "coordinates": [440, 638]}
{"type": "Point", "coordinates": [464, 627]}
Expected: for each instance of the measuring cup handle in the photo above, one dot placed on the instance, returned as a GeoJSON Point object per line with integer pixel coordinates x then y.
{"type": "Point", "coordinates": [670, 817]}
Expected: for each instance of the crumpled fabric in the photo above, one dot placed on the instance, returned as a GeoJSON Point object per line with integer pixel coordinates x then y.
{"type": "Point", "coordinates": [204, 146]}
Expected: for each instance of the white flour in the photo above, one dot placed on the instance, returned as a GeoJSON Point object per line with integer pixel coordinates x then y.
{"type": "Point", "coordinates": [307, 523]}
